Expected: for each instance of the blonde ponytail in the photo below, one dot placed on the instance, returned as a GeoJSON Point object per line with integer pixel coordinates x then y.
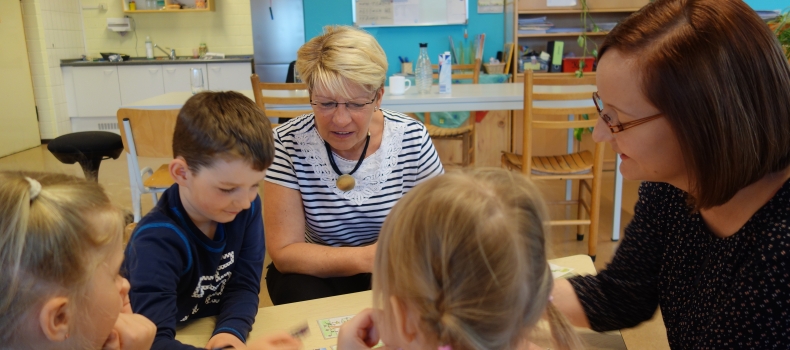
{"type": "Point", "coordinates": [48, 241]}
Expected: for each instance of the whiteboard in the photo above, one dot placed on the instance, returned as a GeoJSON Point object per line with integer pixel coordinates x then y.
{"type": "Point", "coordinates": [398, 13]}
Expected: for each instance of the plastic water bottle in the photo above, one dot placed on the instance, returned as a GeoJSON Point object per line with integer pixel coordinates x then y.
{"type": "Point", "coordinates": [423, 74]}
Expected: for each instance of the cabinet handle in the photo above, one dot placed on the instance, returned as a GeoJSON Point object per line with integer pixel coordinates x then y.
{"type": "Point", "coordinates": [171, 70]}
{"type": "Point", "coordinates": [107, 72]}
{"type": "Point", "coordinates": [153, 70]}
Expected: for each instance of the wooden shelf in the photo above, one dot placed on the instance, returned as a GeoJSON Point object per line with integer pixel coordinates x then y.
{"type": "Point", "coordinates": [142, 9]}
{"type": "Point", "coordinates": [560, 11]}
{"type": "Point", "coordinates": [554, 35]}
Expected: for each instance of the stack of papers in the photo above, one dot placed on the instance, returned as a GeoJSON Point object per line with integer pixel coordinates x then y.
{"type": "Point", "coordinates": [533, 25]}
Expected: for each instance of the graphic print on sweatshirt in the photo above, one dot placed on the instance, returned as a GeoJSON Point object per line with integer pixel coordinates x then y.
{"type": "Point", "coordinates": [211, 287]}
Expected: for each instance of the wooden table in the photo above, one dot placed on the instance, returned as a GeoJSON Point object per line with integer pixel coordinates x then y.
{"type": "Point", "coordinates": [464, 97]}
{"type": "Point", "coordinates": [286, 317]}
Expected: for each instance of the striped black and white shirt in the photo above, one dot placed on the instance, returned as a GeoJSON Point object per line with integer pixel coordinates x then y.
{"type": "Point", "coordinates": [335, 218]}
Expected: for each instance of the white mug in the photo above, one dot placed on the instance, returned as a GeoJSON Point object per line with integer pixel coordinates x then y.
{"type": "Point", "coordinates": [399, 85]}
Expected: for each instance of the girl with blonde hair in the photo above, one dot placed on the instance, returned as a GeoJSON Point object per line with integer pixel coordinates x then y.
{"type": "Point", "coordinates": [60, 253]}
{"type": "Point", "coordinates": [461, 264]}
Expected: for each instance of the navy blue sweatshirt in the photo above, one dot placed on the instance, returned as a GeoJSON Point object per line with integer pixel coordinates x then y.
{"type": "Point", "coordinates": [178, 274]}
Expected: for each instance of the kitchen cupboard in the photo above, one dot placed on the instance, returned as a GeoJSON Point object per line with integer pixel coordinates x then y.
{"type": "Point", "coordinates": [225, 76]}
{"type": "Point", "coordinates": [96, 91]}
{"type": "Point", "coordinates": [140, 82]}
{"type": "Point", "coordinates": [177, 77]}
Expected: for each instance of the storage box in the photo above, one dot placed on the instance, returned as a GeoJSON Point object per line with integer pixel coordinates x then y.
{"type": "Point", "coordinates": [494, 68]}
{"type": "Point", "coordinates": [571, 64]}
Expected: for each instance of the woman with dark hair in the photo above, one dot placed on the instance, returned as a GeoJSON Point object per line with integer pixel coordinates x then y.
{"type": "Point", "coordinates": [694, 96]}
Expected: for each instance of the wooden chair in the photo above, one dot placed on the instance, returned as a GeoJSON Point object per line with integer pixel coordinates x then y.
{"type": "Point", "coordinates": [147, 133]}
{"type": "Point", "coordinates": [285, 95]}
{"type": "Point", "coordinates": [465, 133]}
{"type": "Point", "coordinates": [583, 166]}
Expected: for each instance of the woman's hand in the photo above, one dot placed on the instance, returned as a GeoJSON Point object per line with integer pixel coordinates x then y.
{"type": "Point", "coordinates": [360, 332]}
{"type": "Point", "coordinates": [225, 340]}
{"type": "Point", "coordinates": [131, 332]}
{"type": "Point", "coordinates": [276, 341]}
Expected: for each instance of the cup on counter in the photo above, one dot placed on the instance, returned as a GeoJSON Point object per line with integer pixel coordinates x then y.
{"type": "Point", "coordinates": [196, 76]}
{"type": "Point", "coordinates": [195, 53]}
{"type": "Point", "coordinates": [399, 85]}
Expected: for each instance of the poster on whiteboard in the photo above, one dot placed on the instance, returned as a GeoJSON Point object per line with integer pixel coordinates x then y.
{"type": "Point", "coordinates": [391, 13]}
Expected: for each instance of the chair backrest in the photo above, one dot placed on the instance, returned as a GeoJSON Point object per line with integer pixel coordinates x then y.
{"type": "Point", "coordinates": [286, 95]}
{"type": "Point", "coordinates": [463, 71]}
{"type": "Point", "coordinates": [544, 103]}
{"type": "Point", "coordinates": [151, 129]}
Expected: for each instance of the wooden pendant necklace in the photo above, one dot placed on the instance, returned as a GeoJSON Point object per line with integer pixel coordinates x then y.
{"type": "Point", "coordinates": [346, 182]}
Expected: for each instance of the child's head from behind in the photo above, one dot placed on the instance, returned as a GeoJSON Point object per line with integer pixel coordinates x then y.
{"type": "Point", "coordinates": [222, 145]}
{"type": "Point", "coordinates": [60, 251]}
{"type": "Point", "coordinates": [463, 255]}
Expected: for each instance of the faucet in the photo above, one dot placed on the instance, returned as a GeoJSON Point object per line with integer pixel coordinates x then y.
{"type": "Point", "coordinates": [172, 53]}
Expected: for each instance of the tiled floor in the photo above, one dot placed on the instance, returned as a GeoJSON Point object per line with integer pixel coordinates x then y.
{"type": "Point", "coordinates": [114, 177]}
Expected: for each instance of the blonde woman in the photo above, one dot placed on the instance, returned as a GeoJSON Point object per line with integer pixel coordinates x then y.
{"type": "Point", "coordinates": [461, 265]}
{"type": "Point", "coordinates": [60, 252]}
{"type": "Point", "coordinates": [338, 171]}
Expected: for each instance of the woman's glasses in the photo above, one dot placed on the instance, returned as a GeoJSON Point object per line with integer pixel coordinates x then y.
{"type": "Point", "coordinates": [616, 127]}
{"type": "Point", "coordinates": [330, 106]}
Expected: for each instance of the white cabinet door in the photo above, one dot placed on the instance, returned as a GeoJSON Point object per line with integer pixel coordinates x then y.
{"type": "Point", "coordinates": [229, 76]}
{"type": "Point", "coordinates": [178, 77]}
{"type": "Point", "coordinates": [97, 91]}
{"type": "Point", "coordinates": [140, 82]}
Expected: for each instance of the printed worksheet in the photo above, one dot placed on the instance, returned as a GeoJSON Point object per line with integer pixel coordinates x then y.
{"type": "Point", "coordinates": [331, 326]}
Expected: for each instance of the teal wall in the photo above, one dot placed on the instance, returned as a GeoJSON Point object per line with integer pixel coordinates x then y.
{"type": "Point", "coordinates": [768, 4]}
{"type": "Point", "coordinates": [404, 41]}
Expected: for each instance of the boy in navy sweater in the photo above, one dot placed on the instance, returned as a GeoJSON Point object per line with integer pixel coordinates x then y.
{"type": "Point", "coordinates": [200, 251]}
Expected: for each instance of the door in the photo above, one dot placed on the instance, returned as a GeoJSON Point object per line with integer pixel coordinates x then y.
{"type": "Point", "coordinates": [18, 122]}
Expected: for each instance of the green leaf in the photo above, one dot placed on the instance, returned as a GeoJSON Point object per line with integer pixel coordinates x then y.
{"type": "Point", "coordinates": [596, 28]}
{"type": "Point", "coordinates": [586, 116]}
{"type": "Point", "coordinates": [580, 41]}
{"type": "Point", "coordinates": [595, 53]}
{"type": "Point", "coordinates": [579, 73]}
{"type": "Point", "coordinates": [581, 64]}
{"type": "Point", "coordinates": [577, 133]}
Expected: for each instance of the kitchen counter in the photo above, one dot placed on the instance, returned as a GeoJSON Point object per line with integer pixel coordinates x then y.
{"type": "Point", "coordinates": [140, 61]}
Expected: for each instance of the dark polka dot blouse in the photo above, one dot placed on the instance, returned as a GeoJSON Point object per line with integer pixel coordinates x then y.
{"type": "Point", "coordinates": [719, 293]}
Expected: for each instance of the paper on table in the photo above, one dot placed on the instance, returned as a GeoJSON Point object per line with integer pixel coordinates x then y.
{"type": "Point", "coordinates": [331, 326]}
{"type": "Point", "coordinates": [560, 2]}
{"type": "Point", "coordinates": [559, 271]}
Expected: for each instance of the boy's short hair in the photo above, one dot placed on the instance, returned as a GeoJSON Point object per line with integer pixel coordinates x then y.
{"type": "Point", "coordinates": [223, 124]}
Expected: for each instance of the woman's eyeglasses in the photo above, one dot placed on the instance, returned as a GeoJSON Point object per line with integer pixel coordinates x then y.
{"type": "Point", "coordinates": [618, 127]}
{"type": "Point", "coordinates": [330, 106]}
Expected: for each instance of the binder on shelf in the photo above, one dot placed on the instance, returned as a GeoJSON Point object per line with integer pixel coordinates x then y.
{"type": "Point", "coordinates": [556, 48]}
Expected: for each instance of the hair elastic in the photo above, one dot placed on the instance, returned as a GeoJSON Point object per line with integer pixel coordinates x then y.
{"type": "Point", "coordinates": [35, 188]}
